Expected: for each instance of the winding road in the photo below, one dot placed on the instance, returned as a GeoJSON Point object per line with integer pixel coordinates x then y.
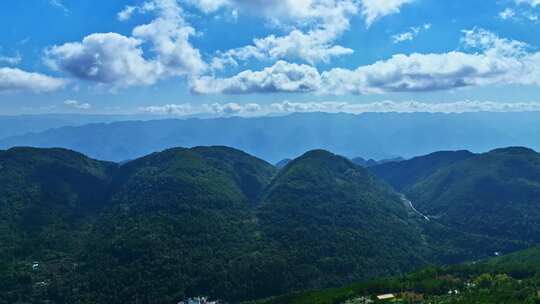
{"type": "Point", "coordinates": [409, 204]}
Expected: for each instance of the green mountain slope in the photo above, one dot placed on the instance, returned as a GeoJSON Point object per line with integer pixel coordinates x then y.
{"type": "Point", "coordinates": [336, 223]}
{"type": "Point", "coordinates": [44, 196]}
{"type": "Point", "coordinates": [183, 214]}
{"type": "Point", "coordinates": [512, 279]}
{"type": "Point", "coordinates": [216, 221]}
{"type": "Point", "coordinates": [495, 194]}
{"type": "Point", "coordinates": [404, 174]}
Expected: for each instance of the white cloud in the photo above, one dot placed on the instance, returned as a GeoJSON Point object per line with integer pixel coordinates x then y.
{"type": "Point", "coordinates": [301, 10]}
{"type": "Point", "coordinates": [221, 109]}
{"type": "Point", "coordinates": [12, 79]}
{"type": "Point", "coordinates": [126, 13]}
{"type": "Point", "coordinates": [281, 77]}
{"type": "Point", "coordinates": [11, 60]}
{"type": "Point", "coordinates": [497, 61]}
{"type": "Point", "coordinates": [316, 25]}
{"type": "Point", "coordinates": [312, 47]}
{"type": "Point", "coordinates": [161, 48]}
{"type": "Point", "coordinates": [508, 13]}
{"type": "Point", "coordinates": [376, 9]}
{"type": "Point", "coordinates": [169, 37]}
{"type": "Point", "coordinates": [209, 6]}
{"type": "Point", "coordinates": [77, 105]}
{"type": "Point", "coordinates": [108, 58]}
{"type": "Point", "coordinates": [533, 3]}
{"type": "Point", "coordinates": [411, 34]}
{"type": "Point", "coordinates": [287, 107]}
{"type": "Point", "coordinates": [119, 61]}
{"type": "Point", "coordinates": [520, 13]}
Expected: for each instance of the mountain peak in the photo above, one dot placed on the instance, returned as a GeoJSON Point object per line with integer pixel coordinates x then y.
{"type": "Point", "coordinates": [317, 153]}
{"type": "Point", "coordinates": [513, 151]}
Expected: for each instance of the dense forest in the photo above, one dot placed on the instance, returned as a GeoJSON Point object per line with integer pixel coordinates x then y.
{"type": "Point", "coordinates": [512, 279]}
{"type": "Point", "coordinates": [219, 222]}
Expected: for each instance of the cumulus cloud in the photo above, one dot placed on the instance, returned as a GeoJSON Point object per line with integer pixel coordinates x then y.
{"type": "Point", "coordinates": [496, 61]}
{"type": "Point", "coordinates": [508, 13]}
{"type": "Point", "coordinates": [118, 60]}
{"type": "Point", "coordinates": [376, 9]}
{"type": "Point", "coordinates": [372, 10]}
{"type": "Point", "coordinates": [281, 77]}
{"type": "Point", "coordinates": [209, 6]}
{"type": "Point", "coordinates": [12, 79]}
{"type": "Point", "coordinates": [316, 25]}
{"type": "Point", "coordinates": [11, 60]}
{"type": "Point", "coordinates": [162, 48]}
{"type": "Point", "coordinates": [169, 36]}
{"type": "Point", "coordinates": [312, 47]}
{"type": "Point", "coordinates": [523, 11]}
{"type": "Point", "coordinates": [77, 105]}
{"type": "Point", "coordinates": [105, 58]}
{"type": "Point", "coordinates": [287, 107]}
{"type": "Point", "coordinates": [126, 13]}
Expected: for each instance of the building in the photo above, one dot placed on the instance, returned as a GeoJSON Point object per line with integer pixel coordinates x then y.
{"type": "Point", "coordinates": [386, 297]}
{"type": "Point", "coordinates": [198, 300]}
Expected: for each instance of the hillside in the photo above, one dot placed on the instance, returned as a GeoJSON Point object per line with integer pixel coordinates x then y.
{"type": "Point", "coordinates": [336, 223]}
{"type": "Point", "coordinates": [217, 221]}
{"type": "Point", "coordinates": [512, 279]}
{"type": "Point", "coordinates": [495, 194]}
{"type": "Point", "coordinates": [44, 196]}
{"type": "Point", "coordinates": [184, 214]}
{"type": "Point", "coordinates": [209, 217]}
{"type": "Point", "coordinates": [406, 173]}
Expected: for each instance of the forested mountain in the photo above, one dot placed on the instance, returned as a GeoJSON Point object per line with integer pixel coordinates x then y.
{"type": "Point", "coordinates": [334, 222]}
{"type": "Point", "coordinates": [217, 221]}
{"type": "Point", "coordinates": [495, 194]}
{"type": "Point", "coordinates": [184, 222]}
{"type": "Point", "coordinates": [369, 135]}
{"type": "Point", "coordinates": [512, 279]}
{"type": "Point", "coordinates": [44, 195]}
{"type": "Point", "coordinates": [403, 174]}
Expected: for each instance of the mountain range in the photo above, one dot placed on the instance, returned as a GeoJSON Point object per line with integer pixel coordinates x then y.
{"type": "Point", "coordinates": [369, 135]}
{"type": "Point", "coordinates": [220, 222]}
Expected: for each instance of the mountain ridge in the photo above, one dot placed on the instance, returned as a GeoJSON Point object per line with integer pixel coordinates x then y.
{"type": "Point", "coordinates": [370, 135]}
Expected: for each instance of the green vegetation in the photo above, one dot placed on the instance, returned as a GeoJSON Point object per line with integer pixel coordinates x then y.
{"type": "Point", "coordinates": [334, 223]}
{"type": "Point", "coordinates": [510, 279]}
{"type": "Point", "coordinates": [216, 221]}
{"type": "Point", "coordinates": [404, 174]}
{"type": "Point", "coordinates": [496, 194]}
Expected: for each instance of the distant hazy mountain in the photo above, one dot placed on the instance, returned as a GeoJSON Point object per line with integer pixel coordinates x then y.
{"type": "Point", "coordinates": [282, 163]}
{"type": "Point", "coordinates": [22, 124]}
{"type": "Point", "coordinates": [371, 162]}
{"type": "Point", "coordinates": [371, 135]}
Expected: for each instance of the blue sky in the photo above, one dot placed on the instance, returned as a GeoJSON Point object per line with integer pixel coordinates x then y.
{"type": "Point", "coordinates": [256, 57]}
